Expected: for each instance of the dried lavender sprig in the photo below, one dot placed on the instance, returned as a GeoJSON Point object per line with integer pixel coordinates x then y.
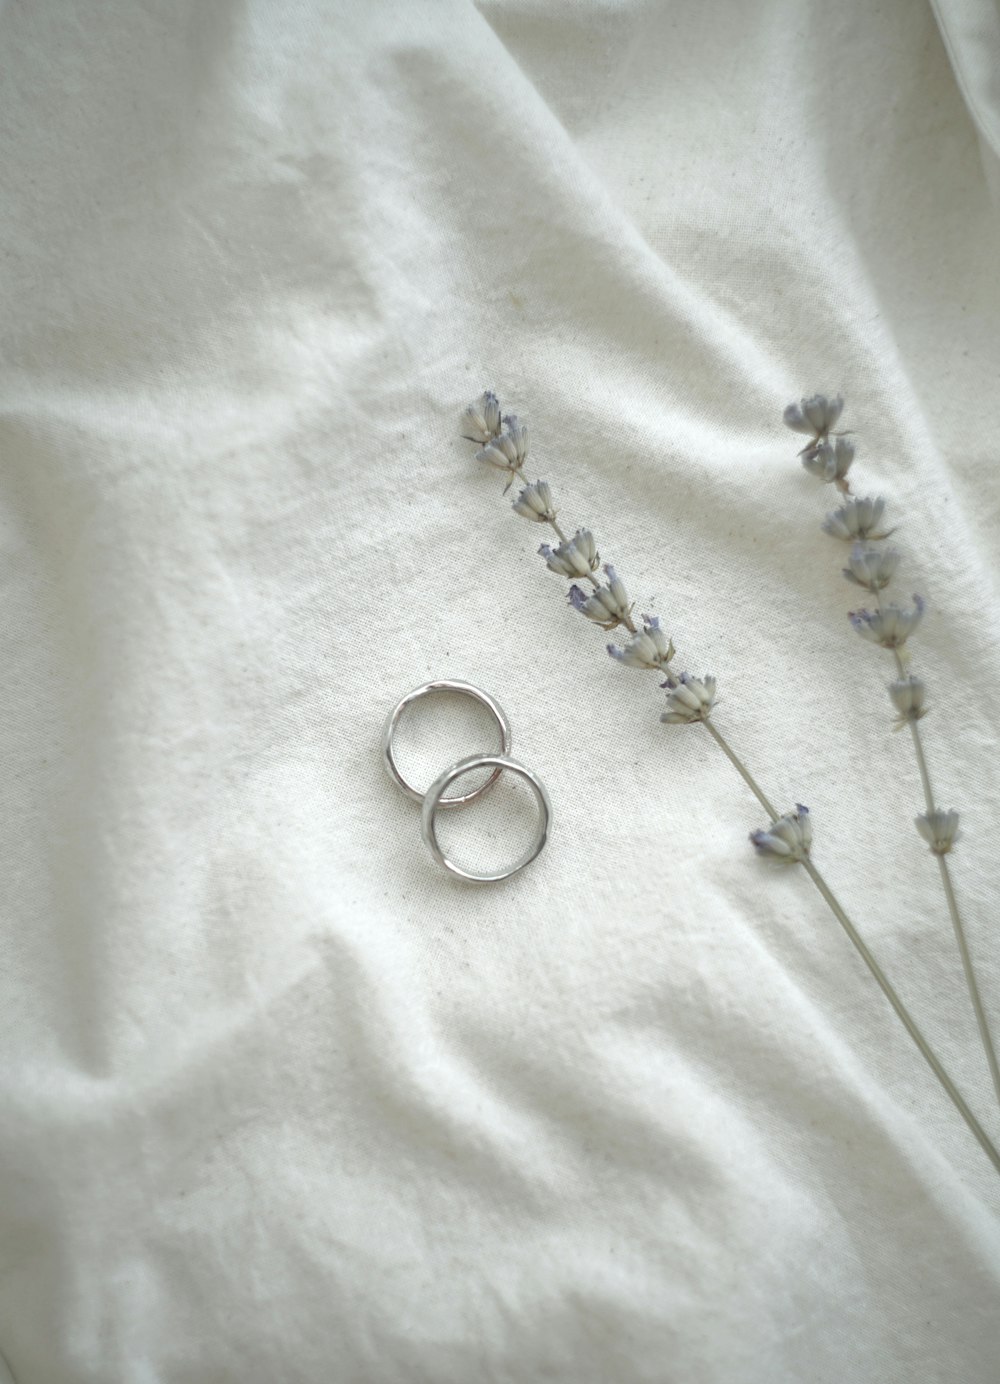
{"type": "Point", "coordinates": [692, 700]}
{"type": "Point", "coordinates": [801, 856]}
{"type": "Point", "coordinates": [891, 626]}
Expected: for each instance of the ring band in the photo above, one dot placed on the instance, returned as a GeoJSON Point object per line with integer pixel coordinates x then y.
{"type": "Point", "coordinates": [464, 689]}
{"type": "Point", "coordinates": [433, 800]}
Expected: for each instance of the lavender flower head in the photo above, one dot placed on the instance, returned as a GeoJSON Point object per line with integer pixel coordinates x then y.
{"type": "Point", "coordinates": [815, 416]}
{"type": "Point", "coordinates": [871, 567]}
{"type": "Point", "coordinates": [788, 839]}
{"type": "Point", "coordinates": [507, 450]}
{"type": "Point", "coordinates": [689, 699]}
{"type": "Point", "coordinates": [891, 626]}
{"type": "Point", "coordinates": [908, 696]}
{"type": "Point", "coordinates": [857, 519]}
{"type": "Point", "coordinates": [608, 606]}
{"type": "Point", "coordinates": [829, 461]}
{"type": "Point", "coordinates": [650, 648]}
{"type": "Point", "coordinates": [574, 557]}
{"type": "Point", "coordinates": [535, 502]}
{"type": "Point", "coordinates": [481, 420]}
{"type": "Point", "coordinates": [939, 829]}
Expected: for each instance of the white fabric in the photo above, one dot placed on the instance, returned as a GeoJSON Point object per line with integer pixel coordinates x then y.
{"type": "Point", "coordinates": [280, 1101]}
{"type": "Point", "coordinates": [971, 33]}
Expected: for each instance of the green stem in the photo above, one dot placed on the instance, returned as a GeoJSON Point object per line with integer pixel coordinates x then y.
{"type": "Point", "coordinates": [907, 1020]}
{"type": "Point", "coordinates": [970, 975]}
{"type": "Point", "coordinates": [904, 1015]}
{"type": "Point", "coordinates": [925, 778]}
{"type": "Point", "coordinates": [742, 770]}
{"type": "Point", "coordinates": [971, 982]}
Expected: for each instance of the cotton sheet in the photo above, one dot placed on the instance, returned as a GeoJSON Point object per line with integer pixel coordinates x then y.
{"type": "Point", "coordinates": [281, 1101]}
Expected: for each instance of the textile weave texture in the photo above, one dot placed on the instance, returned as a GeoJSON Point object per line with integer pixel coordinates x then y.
{"type": "Point", "coordinates": [278, 1099]}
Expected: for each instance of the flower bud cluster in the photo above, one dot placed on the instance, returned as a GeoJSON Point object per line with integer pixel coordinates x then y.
{"type": "Point", "coordinates": [890, 625]}
{"type": "Point", "coordinates": [814, 417]}
{"type": "Point", "coordinates": [788, 839]}
{"type": "Point", "coordinates": [689, 699]}
{"type": "Point", "coordinates": [829, 461]}
{"type": "Point", "coordinates": [535, 502]}
{"type": "Point", "coordinates": [481, 420]}
{"type": "Point", "coordinates": [506, 444]}
{"type": "Point", "coordinates": [650, 648]}
{"type": "Point", "coordinates": [608, 605]}
{"type": "Point", "coordinates": [939, 829]}
{"type": "Point", "coordinates": [574, 557]}
{"type": "Point", "coordinates": [857, 518]}
{"type": "Point", "coordinates": [908, 697]}
{"type": "Point", "coordinates": [871, 567]}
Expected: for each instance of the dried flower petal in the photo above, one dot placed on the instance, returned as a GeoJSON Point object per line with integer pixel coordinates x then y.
{"type": "Point", "coordinates": [857, 519]}
{"type": "Point", "coordinates": [575, 557]}
{"type": "Point", "coordinates": [815, 416]}
{"type": "Point", "coordinates": [608, 606]}
{"type": "Point", "coordinates": [481, 420]}
{"type": "Point", "coordinates": [786, 840]}
{"type": "Point", "coordinates": [514, 439]}
{"type": "Point", "coordinates": [871, 567]}
{"type": "Point", "coordinates": [908, 696]}
{"type": "Point", "coordinates": [829, 461]}
{"type": "Point", "coordinates": [650, 648]}
{"type": "Point", "coordinates": [939, 829]}
{"type": "Point", "coordinates": [508, 450]}
{"type": "Point", "coordinates": [689, 699]}
{"type": "Point", "coordinates": [891, 626]}
{"type": "Point", "coordinates": [535, 502]}
{"type": "Point", "coordinates": [494, 455]}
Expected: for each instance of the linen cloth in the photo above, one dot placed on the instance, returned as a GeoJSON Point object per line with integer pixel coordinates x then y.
{"type": "Point", "coordinates": [280, 1101]}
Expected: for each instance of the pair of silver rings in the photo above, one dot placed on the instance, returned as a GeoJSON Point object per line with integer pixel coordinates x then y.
{"type": "Point", "coordinates": [434, 801]}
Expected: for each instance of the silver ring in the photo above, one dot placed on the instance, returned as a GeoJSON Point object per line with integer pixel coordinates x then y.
{"type": "Point", "coordinates": [464, 689]}
{"type": "Point", "coordinates": [433, 800]}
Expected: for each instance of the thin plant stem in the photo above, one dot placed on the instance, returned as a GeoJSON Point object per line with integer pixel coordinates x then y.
{"type": "Point", "coordinates": [969, 970]}
{"type": "Point", "coordinates": [925, 778]}
{"type": "Point", "coordinates": [970, 974]}
{"type": "Point", "coordinates": [741, 769]}
{"type": "Point", "coordinates": [904, 1015]}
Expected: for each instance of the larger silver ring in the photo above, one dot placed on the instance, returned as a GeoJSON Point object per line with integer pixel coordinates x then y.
{"type": "Point", "coordinates": [433, 800]}
{"type": "Point", "coordinates": [464, 689]}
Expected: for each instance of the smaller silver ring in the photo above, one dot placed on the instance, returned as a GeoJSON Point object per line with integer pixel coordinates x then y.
{"type": "Point", "coordinates": [433, 800]}
{"type": "Point", "coordinates": [464, 689]}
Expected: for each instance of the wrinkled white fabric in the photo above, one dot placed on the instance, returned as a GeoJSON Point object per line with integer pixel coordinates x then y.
{"type": "Point", "coordinates": [971, 33]}
{"type": "Point", "coordinates": [281, 1101]}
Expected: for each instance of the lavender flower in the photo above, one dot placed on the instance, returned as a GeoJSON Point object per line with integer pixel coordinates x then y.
{"type": "Point", "coordinates": [535, 502]}
{"type": "Point", "coordinates": [857, 519]}
{"type": "Point", "coordinates": [608, 606]}
{"type": "Point", "coordinates": [481, 420]}
{"type": "Point", "coordinates": [574, 557]}
{"type": "Point", "coordinates": [829, 461]}
{"type": "Point", "coordinates": [891, 626]}
{"type": "Point", "coordinates": [508, 449]}
{"type": "Point", "coordinates": [815, 416]}
{"type": "Point", "coordinates": [515, 435]}
{"type": "Point", "coordinates": [908, 696]}
{"type": "Point", "coordinates": [788, 839]}
{"type": "Point", "coordinates": [650, 648]}
{"type": "Point", "coordinates": [939, 829]}
{"type": "Point", "coordinates": [871, 567]}
{"type": "Point", "coordinates": [690, 699]}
